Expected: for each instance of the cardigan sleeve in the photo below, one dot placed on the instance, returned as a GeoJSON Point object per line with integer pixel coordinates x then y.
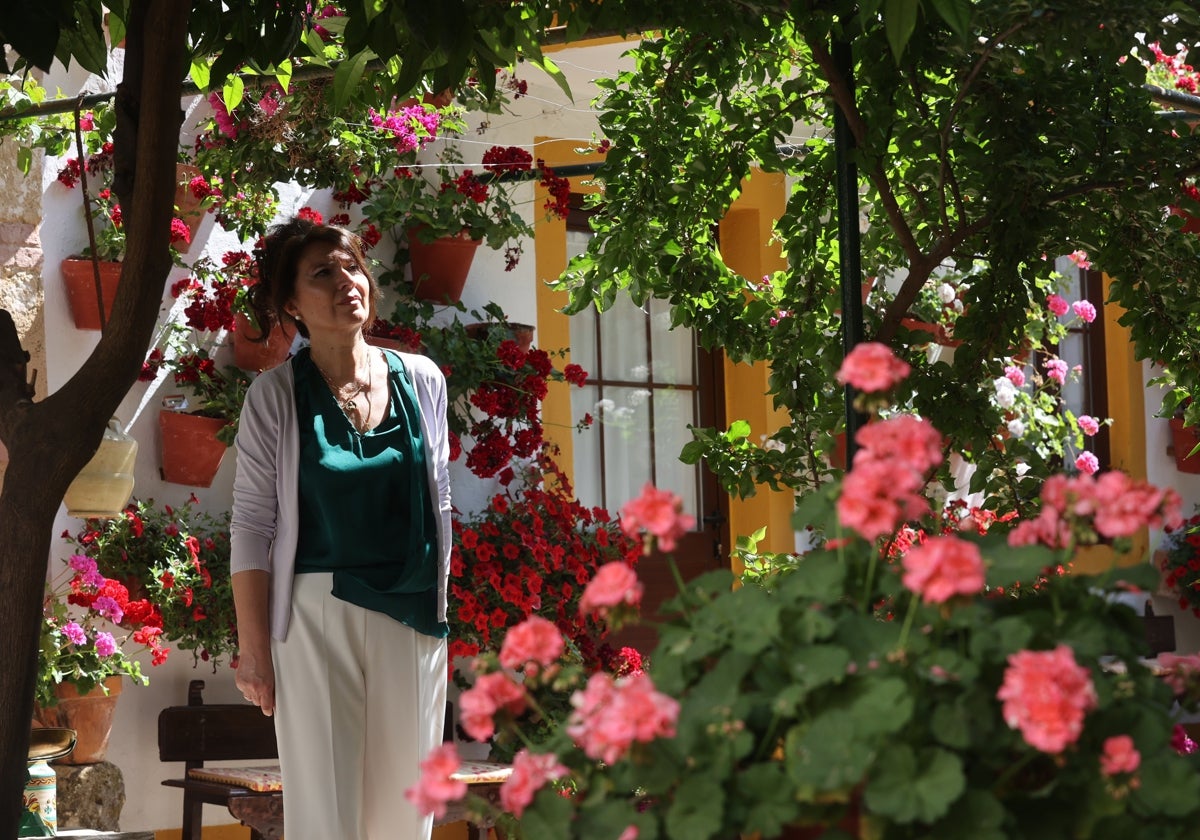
{"type": "Point", "coordinates": [255, 499]}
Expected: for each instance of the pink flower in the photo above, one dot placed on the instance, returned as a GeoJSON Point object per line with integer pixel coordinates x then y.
{"type": "Point", "coordinates": [1088, 424]}
{"type": "Point", "coordinates": [611, 715]}
{"type": "Point", "coordinates": [87, 121]}
{"type": "Point", "coordinates": [477, 706]}
{"type": "Point", "coordinates": [660, 512]}
{"type": "Point", "coordinates": [1056, 369]}
{"type": "Point", "coordinates": [1087, 462]}
{"type": "Point", "coordinates": [613, 584]}
{"type": "Point", "coordinates": [530, 772]}
{"type": "Point", "coordinates": [1080, 258]}
{"type": "Point", "coordinates": [535, 639]}
{"type": "Point", "coordinates": [106, 645]}
{"type": "Point", "coordinates": [903, 440]}
{"type": "Point", "coordinates": [1058, 305]}
{"type": "Point", "coordinates": [872, 366]}
{"type": "Point", "coordinates": [74, 633]}
{"type": "Point", "coordinates": [1046, 695]}
{"type": "Point", "coordinates": [876, 497]}
{"type": "Point", "coordinates": [1178, 671]}
{"type": "Point", "coordinates": [631, 832]}
{"type": "Point", "coordinates": [437, 787]}
{"type": "Point", "coordinates": [942, 568]}
{"type": "Point", "coordinates": [1181, 742]}
{"type": "Point", "coordinates": [1120, 756]}
{"type": "Point", "coordinates": [1085, 310]}
{"type": "Point", "coordinates": [1015, 375]}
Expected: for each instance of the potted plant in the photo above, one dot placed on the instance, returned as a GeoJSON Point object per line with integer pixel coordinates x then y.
{"type": "Point", "coordinates": [218, 299]}
{"type": "Point", "coordinates": [1178, 558]}
{"type": "Point", "coordinates": [177, 559]}
{"type": "Point", "coordinates": [195, 432]}
{"type": "Point", "coordinates": [92, 631]}
{"type": "Point", "coordinates": [494, 387]}
{"type": "Point", "coordinates": [99, 262]}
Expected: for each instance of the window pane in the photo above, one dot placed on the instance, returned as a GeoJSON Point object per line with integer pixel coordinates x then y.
{"type": "Point", "coordinates": [670, 349]}
{"type": "Point", "coordinates": [586, 446]}
{"type": "Point", "coordinates": [624, 420]}
{"type": "Point", "coordinates": [623, 339]}
{"type": "Point", "coordinates": [673, 411]}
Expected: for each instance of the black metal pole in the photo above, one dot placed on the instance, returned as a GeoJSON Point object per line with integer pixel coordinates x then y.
{"type": "Point", "coordinates": [849, 246]}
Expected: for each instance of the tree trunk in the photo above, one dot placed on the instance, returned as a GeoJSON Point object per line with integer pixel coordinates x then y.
{"type": "Point", "coordinates": [49, 442]}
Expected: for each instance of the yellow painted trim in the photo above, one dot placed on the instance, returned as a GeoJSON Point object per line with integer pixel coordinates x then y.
{"type": "Point", "coordinates": [553, 327]}
{"type": "Point", "coordinates": [747, 247]}
{"type": "Point", "coordinates": [1127, 407]}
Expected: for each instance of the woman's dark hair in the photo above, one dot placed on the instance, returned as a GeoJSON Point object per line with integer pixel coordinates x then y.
{"type": "Point", "coordinates": [278, 259]}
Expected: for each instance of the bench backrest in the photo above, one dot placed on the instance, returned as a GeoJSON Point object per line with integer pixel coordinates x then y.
{"type": "Point", "coordinates": [200, 732]}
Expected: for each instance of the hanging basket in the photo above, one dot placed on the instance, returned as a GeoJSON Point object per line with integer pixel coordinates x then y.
{"type": "Point", "coordinates": [440, 267]}
{"type": "Point", "coordinates": [105, 485]}
{"type": "Point", "coordinates": [520, 333]}
{"type": "Point", "coordinates": [80, 281]}
{"type": "Point", "coordinates": [191, 453]}
{"type": "Point", "coordinates": [258, 356]}
{"type": "Point", "coordinates": [1183, 441]}
{"type": "Point", "coordinates": [186, 203]}
{"type": "Point", "coordinates": [90, 715]}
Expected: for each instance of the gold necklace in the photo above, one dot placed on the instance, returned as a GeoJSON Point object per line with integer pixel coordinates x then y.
{"type": "Point", "coordinates": [348, 404]}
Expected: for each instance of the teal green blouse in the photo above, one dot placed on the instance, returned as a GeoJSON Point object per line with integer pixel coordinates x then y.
{"type": "Point", "coordinates": [365, 509]}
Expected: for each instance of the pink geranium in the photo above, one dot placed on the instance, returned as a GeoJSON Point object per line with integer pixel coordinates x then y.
{"type": "Point", "coordinates": [530, 772]}
{"type": "Point", "coordinates": [1085, 310]}
{"type": "Point", "coordinates": [478, 705]}
{"type": "Point", "coordinates": [1056, 369]}
{"type": "Point", "coordinates": [611, 715]}
{"type": "Point", "coordinates": [1015, 375]}
{"type": "Point", "coordinates": [944, 567]}
{"type": "Point", "coordinates": [871, 367]}
{"type": "Point", "coordinates": [436, 788]}
{"type": "Point", "coordinates": [1120, 756]}
{"type": "Point", "coordinates": [614, 585]}
{"type": "Point", "coordinates": [660, 513]}
{"type": "Point", "coordinates": [535, 639]}
{"type": "Point", "coordinates": [1058, 305]}
{"type": "Point", "coordinates": [1046, 695]}
{"type": "Point", "coordinates": [1088, 425]}
{"type": "Point", "coordinates": [1087, 463]}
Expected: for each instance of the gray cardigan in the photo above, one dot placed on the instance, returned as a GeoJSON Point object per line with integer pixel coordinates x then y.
{"type": "Point", "coordinates": [264, 527]}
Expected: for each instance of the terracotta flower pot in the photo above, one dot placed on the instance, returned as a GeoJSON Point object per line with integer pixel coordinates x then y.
{"type": "Point", "coordinates": [520, 333]}
{"type": "Point", "coordinates": [440, 267]}
{"type": "Point", "coordinates": [90, 715]}
{"type": "Point", "coordinates": [191, 453]}
{"type": "Point", "coordinates": [1183, 441]}
{"type": "Point", "coordinates": [80, 281]}
{"type": "Point", "coordinates": [187, 203]}
{"type": "Point", "coordinates": [258, 356]}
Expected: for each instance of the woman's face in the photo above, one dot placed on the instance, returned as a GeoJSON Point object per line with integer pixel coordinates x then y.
{"type": "Point", "coordinates": [332, 294]}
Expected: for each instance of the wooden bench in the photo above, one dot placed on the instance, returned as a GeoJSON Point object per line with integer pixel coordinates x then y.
{"type": "Point", "coordinates": [200, 732]}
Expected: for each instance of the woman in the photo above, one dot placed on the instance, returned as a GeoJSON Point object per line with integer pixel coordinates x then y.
{"type": "Point", "coordinates": [340, 547]}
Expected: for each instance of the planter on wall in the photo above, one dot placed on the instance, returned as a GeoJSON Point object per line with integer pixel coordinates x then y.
{"type": "Point", "coordinates": [1183, 441]}
{"type": "Point", "coordinates": [79, 279]}
{"type": "Point", "coordinates": [440, 267]}
{"type": "Point", "coordinates": [191, 453]}
{"type": "Point", "coordinates": [187, 204]}
{"type": "Point", "coordinates": [520, 333]}
{"type": "Point", "coordinates": [257, 356]}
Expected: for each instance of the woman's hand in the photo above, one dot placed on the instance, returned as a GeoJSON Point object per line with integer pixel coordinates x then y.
{"type": "Point", "coordinates": [255, 678]}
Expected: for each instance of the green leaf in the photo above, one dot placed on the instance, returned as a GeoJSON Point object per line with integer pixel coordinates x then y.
{"type": "Point", "coordinates": [232, 92]}
{"type": "Point", "coordinates": [812, 666]}
{"type": "Point", "coordinates": [911, 790]}
{"type": "Point", "coordinates": [199, 73]}
{"type": "Point", "coordinates": [766, 791]}
{"type": "Point", "coordinates": [900, 19]}
{"type": "Point", "coordinates": [347, 76]}
{"type": "Point", "coordinates": [819, 577]}
{"type": "Point", "coordinates": [548, 816]}
{"type": "Point", "coordinates": [956, 13]}
{"type": "Point", "coordinates": [695, 813]}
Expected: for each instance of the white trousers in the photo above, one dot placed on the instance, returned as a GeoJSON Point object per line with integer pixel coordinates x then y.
{"type": "Point", "coordinates": [360, 701]}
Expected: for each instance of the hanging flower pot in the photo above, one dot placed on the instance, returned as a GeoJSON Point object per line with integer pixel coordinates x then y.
{"type": "Point", "coordinates": [440, 267]}
{"type": "Point", "coordinates": [191, 453]}
{"type": "Point", "coordinates": [520, 333]}
{"type": "Point", "coordinates": [80, 281]}
{"type": "Point", "coordinates": [105, 485]}
{"type": "Point", "coordinates": [89, 714]}
{"type": "Point", "coordinates": [250, 354]}
{"type": "Point", "coordinates": [190, 209]}
{"type": "Point", "coordinates": [1183, 441]}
